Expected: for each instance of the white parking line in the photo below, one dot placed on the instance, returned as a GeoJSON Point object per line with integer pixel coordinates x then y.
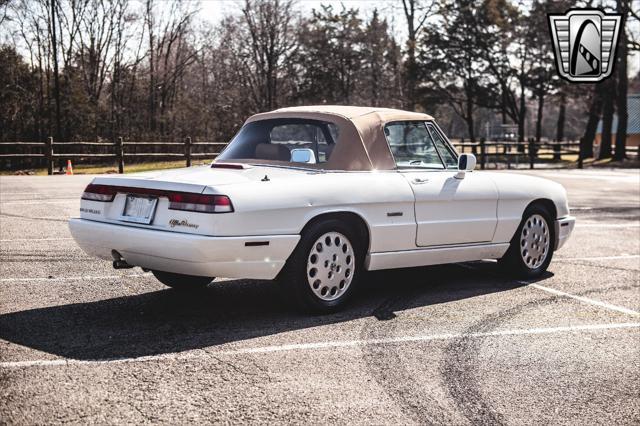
{"type": "Point", "coordinates": [622, 256]}
{"type": "Point", "coordinates": [586, 300]}
{"type": "Point", "coordinates": [607, 225]}
{"type": "Point", "coordinates": [35, 194]}
{"type": "Point", "coordinates": [35, 239]}
{"type": "Point", "coordinates": [619, 177]}
{"type": "Point", "coordinates": [203, 354]}
{"type": "Point", "coordinates": [84, 277]}
{"type": "Point", "coordinates": [5, 215]}
{"type": "Point", "coordinates": [43, 201]}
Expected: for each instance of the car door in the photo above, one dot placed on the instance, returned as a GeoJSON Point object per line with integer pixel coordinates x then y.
{"type": "Point", "coordinates": [448, 210]}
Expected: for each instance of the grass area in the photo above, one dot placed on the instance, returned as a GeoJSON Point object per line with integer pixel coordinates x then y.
{"type": "Point", "coordinates": [86, 169]}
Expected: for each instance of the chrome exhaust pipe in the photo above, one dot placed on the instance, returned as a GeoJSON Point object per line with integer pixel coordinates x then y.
{"type": "Point", "coordinates": [119, 262]}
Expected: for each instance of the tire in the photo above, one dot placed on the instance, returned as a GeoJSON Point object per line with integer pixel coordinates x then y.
{"type": "Point", "coordinates": [532, 245]}
{"type": "Point", "coordinates": [182, 282]}
{"type": "Point", "coordinates": [322, 272]}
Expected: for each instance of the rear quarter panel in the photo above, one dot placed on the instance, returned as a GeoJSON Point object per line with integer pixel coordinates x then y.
{"type": "Point", "coordinates": [285, 205]}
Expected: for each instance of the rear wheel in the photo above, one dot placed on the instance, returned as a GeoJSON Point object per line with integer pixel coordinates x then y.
{"type": "Point", "coordinates": [323, 270]}
{"type": "Point", "coordinates": [182, 282]}
{"type": "Point", "coordinates": [531, 247]}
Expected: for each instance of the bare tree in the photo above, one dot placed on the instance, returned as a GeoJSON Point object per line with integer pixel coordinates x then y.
{"type": "Point", "coordinates": [595, 109]}
{"type": "Point", "coordinates": [623, 82]}
{"type": "Point", "coordinates": [56, 79]}
{"type": "Point", "coordinates": [416, 13]}
{"type": "Point", "coordinates": [95, 51]}
{"type": "Point", "coordinates": [267, 41]}
{"type": "Point", "coordinates": [170, 53]}
{"type": "Point", "coordinates": [608, 109]}
{"type": "Point", "coordinates": [4, 10]}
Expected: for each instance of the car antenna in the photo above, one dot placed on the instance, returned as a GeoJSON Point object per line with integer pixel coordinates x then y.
{"type": "Point", "coordinates": [265, 178]}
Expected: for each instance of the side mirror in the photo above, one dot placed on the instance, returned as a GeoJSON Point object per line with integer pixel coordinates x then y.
{"type": "Point", "coordinates": [303, 155]}
{"type": "Point", "coordinates": [466, 163]}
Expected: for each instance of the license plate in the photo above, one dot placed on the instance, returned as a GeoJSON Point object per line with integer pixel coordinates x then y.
{"type": "Point", "coordinates": [139, 209]}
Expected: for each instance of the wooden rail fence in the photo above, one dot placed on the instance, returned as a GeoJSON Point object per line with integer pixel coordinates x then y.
{"type": "Point", "coordinates": [118, 151]}
{"type": "Point", "coordinates": [487, 152]}
{"type": "Point", "coordinates": [515, 153]}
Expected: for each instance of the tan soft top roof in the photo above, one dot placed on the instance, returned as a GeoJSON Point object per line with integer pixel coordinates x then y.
{"type": "Point", "coordinates": [385, 114]}
{"type": "Point", "coordinates": [361, 143]}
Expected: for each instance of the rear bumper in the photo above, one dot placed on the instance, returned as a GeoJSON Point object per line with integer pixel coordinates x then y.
{"type": "Point", "coordinates": [186, 253]}
{"type": "Point", "coordinates": [564, 227]}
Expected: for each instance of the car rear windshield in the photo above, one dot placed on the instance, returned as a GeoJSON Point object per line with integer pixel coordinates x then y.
{"type": "Point", "coordinates": [288, 140]}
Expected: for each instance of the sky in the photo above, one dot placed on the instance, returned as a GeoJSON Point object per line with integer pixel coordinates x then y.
{"type": "Point", "coordinates": [214, 10]}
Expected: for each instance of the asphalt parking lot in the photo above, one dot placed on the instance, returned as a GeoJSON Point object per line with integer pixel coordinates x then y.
{"type": "Point", "coordinates": [83, 343]}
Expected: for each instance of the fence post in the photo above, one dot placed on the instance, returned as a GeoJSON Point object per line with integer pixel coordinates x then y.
{"type": "Point", "coordinates": [557, 154]}
{"type": "Point", "coordinates": [580, 154]}
{"type": "Point", "coordinates": [187, 150]}
{"type": "Point", "coordinates": [49, 155]}
{"type": "Point", "coordinates": [120, 154]}
{"type": "Point", "coordinates": [532, 153]}
{"type": "Point", "coordinates": [507, 157]}
{"type": "Point", "coordinates": [482, 154]}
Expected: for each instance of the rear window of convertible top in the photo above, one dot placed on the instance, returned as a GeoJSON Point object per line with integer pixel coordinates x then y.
{"type": "Point", "coordinates": [275, 139]}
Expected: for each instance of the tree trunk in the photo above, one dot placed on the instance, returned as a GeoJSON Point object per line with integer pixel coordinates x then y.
{"type": "Point", "coordinates": [560, 129]}
{"type": "Point", "coordinates": [503, 107]}
{"type": "Point", "coordinates": [152, 72]}
{"type": "Point", "coordinates": [470, 128]}
{"type": "Point", "coordinates": [469, 114]}
{"type": "Point", "coordinates": [56, 80]}
{"type": "Point", "coordinates": [411, 75]}
{"type": "Point", "coordinates": [522, 113]}
{"type": "Point", "coordinates": [607, 120]}
{"type": "Point", "coordinates": [623, 83]}
{"type": "Point", "coordinates": [561, 117]}
{"type": "Point", "coordinates": [586, 143]}
{"type": "Point", "coordinates": [539, 115]}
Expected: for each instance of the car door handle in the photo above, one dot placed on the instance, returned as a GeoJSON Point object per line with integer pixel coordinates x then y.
{"type": "Point", "coordinates": [418, 181]}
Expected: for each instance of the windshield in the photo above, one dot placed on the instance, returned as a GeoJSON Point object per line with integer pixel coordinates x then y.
{"type": "Point", "coordinates": [290, 140]}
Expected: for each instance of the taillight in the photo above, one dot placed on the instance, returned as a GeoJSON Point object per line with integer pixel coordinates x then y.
{"type": "Point", "coordinates": [94, 192]}
{"type": "Point", "coordinates": [199, 203]}
{"type": "Point", "coordinates": [187, 201]}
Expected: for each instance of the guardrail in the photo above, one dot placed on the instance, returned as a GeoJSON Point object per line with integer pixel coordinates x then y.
{"type": "Point", "coordinates": [118, 151]}
{"type": "Point", "coordinates": [487, 152]}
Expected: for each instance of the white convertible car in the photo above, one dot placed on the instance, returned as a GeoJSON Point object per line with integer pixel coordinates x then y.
{"type": "Point", "coordinates": [314, 196]}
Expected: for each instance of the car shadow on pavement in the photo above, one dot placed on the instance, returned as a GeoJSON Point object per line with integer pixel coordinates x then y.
{"type": "Point", "coordinates": [168, 321]}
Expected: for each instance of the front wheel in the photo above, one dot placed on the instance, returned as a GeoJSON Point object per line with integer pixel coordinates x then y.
{"type": "Point", "coordinates": [532, 245]}
{"type": "Point", "coordinates": [323, 270]}
{"type": "Point", "coordinates": [182, 282]}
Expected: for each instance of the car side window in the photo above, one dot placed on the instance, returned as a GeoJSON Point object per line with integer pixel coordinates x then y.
{"type": "Point", "coordinates": [412, 145]}
{"type": "Point", "coordinates": [325, 147]}
{"type": "Point", "coordinates": [443, 149]}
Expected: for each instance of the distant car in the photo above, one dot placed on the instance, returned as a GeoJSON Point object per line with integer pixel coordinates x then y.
{"type": "Point", "coordinates": [314, 196]}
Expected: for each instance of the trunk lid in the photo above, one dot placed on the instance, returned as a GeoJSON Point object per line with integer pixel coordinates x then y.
{"type": "Point", "coordinates": [193, 180]}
